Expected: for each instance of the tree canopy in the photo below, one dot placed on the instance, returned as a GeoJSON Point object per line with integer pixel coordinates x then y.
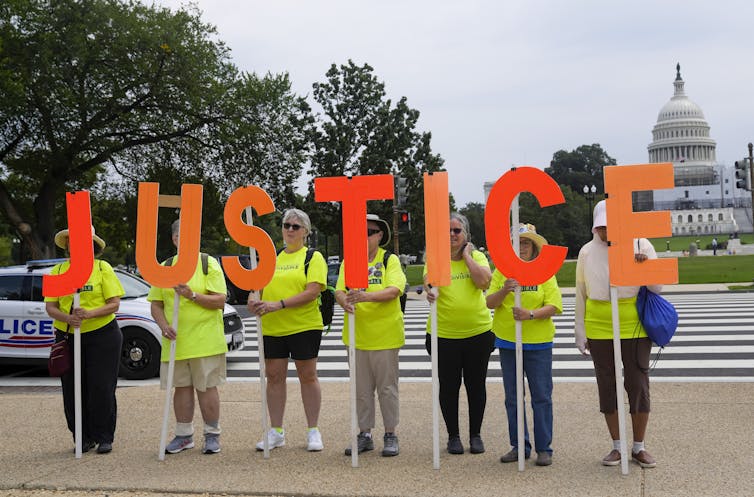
{"type": "Point", "coordinates": [581, 167]}
{"type": "Point", "coordinates": [363, 132]}
{"type": "Point", "coordinates": [95, 86]}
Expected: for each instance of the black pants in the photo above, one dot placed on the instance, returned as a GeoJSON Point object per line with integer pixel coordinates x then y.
{"type": "Point", "coordinates": [467, 359]}
{"type": "Point", "coordinates": [100, 357]}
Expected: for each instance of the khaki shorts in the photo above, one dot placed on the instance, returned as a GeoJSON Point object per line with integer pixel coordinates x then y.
{"type": "Point", "coordinates": [200, 372]}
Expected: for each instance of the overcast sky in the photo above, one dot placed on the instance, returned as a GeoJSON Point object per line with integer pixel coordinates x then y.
{"type": "Point", "coordinates": [510, 82]}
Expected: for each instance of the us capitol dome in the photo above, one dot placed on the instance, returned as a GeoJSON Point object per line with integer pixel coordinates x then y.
{"type": "Point", "coordinates": [705, 198]}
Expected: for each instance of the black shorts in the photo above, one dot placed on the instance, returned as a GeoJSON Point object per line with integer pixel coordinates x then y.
{"type": "Point", "coordinates": [300, 346]}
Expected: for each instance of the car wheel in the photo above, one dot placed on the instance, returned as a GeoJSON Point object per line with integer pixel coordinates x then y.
{"type": "Point", "coordinates": [140, 355]}
{"type": "Point", "coordinates": [232, 296]}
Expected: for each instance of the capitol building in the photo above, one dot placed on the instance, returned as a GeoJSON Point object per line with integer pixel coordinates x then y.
{"type": "Point", "coordinates": [705, 198]}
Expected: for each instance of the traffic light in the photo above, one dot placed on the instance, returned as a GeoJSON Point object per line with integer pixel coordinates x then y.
{"type": "Point", "coordinates": [401, 191]}
{"type": "Point", "coordinates": [404, 221]}
{"type": "Point", "coordinates": [743, 176]}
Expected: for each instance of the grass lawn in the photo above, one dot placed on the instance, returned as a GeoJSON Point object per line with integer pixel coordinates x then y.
{"type": "Point", "coordinates": [678, 243]}
{"type": "Point", "coordinates": [720, 269]}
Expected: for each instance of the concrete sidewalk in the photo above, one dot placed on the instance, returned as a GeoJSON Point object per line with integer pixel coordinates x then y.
{"type": "Point", "coordinates": [700, 433]}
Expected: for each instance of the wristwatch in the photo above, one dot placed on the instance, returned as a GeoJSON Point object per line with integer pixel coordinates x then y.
{"type": "Point", "coordinates": [531, 314]}
{"type": "Point", "coordinates": [193, 296]}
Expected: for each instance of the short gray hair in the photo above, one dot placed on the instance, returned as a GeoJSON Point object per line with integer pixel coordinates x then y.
{"type": "Point", "coordinates": [464, 223]}
{"type": "Point", "coordinates": [175, 227]}
{"type": "Point", "coordinates": [301, 216]}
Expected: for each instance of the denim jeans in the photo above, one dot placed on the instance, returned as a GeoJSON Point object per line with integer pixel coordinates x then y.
{"type": "Point", "coordinates": [538, 371]}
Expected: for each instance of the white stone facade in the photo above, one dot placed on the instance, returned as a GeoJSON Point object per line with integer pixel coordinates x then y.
{"type": "Point", "coordinates": [703, 221]}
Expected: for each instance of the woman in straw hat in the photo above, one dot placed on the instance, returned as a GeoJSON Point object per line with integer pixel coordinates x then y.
{"type": "Point", "coordinates": [101, 342]}
{"type": "Point", "coordinates": [538, 304]}
{"type": "Point", "coordinates": [464, 337]}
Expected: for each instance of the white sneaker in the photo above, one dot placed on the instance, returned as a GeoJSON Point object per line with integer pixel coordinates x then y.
{"type": "Point", "coordinates": [274, 439]}
{"type": "Point", "coordinates": [314, 440]}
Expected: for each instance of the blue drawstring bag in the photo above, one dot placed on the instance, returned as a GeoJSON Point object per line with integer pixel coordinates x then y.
{"type": "Point", "coordinates": [658, 316]}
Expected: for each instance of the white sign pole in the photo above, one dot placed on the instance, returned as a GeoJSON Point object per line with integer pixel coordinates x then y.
{"type": "Point", "coordinates": [352, 372]}
{"type": "Point", "coordinates": [77, 435]}
{"type": "Point", "coordinates": [169, 383]}
{"type": "Point", "coordinates": [519, 348]}
{"type": "Point", "coordinates": [260, 348]}
{"type": "Point", "coordinates": [619, 380]}
{"type": "Point", "coordinates": [435, 384]}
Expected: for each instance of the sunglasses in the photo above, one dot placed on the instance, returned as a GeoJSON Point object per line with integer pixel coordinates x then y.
{"type": "Point", "coordinates": [371, 232]}
{"type": "Point", "coordinates": [289, 226]}
{"type": "Point", "coordinates": [456, 231]}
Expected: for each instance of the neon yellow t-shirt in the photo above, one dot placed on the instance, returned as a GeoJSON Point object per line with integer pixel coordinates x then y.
{"type": "Point", "coordinates": [379, 325]}
{"type": "Point", "coordinates": [289, 280]}
{"type": "Point", "coordinates": [461, 307]}
{"type": "Point", "coordinates": [598, 320]}
{"type": "Point", "coordinates": [532, 297]}
{"type": "Point", "coordinates": [101, 285]}
{"type": "Point", "coordinates": [200, 330]}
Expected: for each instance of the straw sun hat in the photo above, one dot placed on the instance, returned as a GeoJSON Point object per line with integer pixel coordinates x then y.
{"type": "Point", "coordinates": [61, 239]}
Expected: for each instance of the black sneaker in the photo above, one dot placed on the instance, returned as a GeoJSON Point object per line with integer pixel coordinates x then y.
{"type": "Point", "coordinates": [390, 445]}
{"type": "Point", "coordinates": [104, 448]}
{"type": "Point", "coordinates": [454, 445]}
{"type": "Point", "coordinates": [86, 446]}
{"type": "Point", "coordinates": [364, 443]}
{"type": "Point", "coordinates": [476, 445]}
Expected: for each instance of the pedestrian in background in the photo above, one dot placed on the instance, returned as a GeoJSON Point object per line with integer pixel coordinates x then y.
{"type": "Point", "coordinates": [101, 341]}
{"type": "Point", "coordinates": [200, 349]}
{"type": "Point", "coordinates": [464, 337]}
{"type": "Point", "coordinates": [594, 335]}
{"type": "Point", "coordinates": [379, 337]}
{"type": "Point", "coordinates": [538, 304]}
{"type": "Point", "coordinates": [292, 327]}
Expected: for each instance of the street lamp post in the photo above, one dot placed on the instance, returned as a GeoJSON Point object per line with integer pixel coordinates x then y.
{"type": "Point", "coordinates": [589, 192]}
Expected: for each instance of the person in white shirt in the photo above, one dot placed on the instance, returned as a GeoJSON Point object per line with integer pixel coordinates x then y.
{"type": "Point", "coordinates": [594, 336]}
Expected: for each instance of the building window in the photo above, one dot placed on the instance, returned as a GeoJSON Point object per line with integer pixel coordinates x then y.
{"type": "Point", "coordinates": [680, 219]}
{"type": "Point", "coordinates": [726, 180]}
{"type": "Point", "coordinates": [699, 218]}
{"type": "Point", "coordinates": [720, 217]}
{"type": "Point", "coordinates": [709, 218]}
{"type": "Point", "coordinates": [706, 192]}
{"type": "Point", "coordinates": [691, 218]}
{"type": "Point", "coordinates": [686, 193]}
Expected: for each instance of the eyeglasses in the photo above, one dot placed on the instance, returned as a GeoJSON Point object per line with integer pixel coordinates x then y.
{"type": "Point", "coordinates": [289, 226]}
{"type": "Point", "coordinates": [371, 232]}
{"type": "Point", "coordinates": [456, 231]}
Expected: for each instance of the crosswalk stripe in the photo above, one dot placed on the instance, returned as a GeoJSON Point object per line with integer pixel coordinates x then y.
{"type": "Point", "coordinates": [715, 339]}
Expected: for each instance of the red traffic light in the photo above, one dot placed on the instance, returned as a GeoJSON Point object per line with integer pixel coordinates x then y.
{"type": "Point", "coordinates": [404, 217]}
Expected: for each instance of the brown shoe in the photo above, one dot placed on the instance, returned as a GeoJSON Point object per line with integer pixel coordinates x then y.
{"type": "Point", "coordinates": [612, 459]}
{"type": "Point", "coordinates": [644, 459]}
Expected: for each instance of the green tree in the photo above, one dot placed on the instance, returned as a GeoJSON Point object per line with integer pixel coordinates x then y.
{"type": "Point", "coordinates": [362, 132]}
{"type": "Point", "coordinates": [93, 86]}
{"type": "Point", "coordinates": [474, 212]}
{"type": "Point", "coordinates": [580, 167]}
{"type": "Point", "coordinates": [567, 225]}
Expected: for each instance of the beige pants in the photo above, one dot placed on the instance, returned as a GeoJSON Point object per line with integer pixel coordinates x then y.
{"type": "Point", "coordinates": [377, 370]}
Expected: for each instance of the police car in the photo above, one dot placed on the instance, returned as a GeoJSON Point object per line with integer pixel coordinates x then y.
{"type": "Point", "coordinates": [26, 331]}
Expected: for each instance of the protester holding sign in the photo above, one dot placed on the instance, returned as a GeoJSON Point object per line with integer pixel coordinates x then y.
{"type": "Point", "coordinates": [594, 335]}
{"type": "Point", "coordinates": [292, 327]}
{"type": "Point", "coordinates": [379, 337]}
{"type": "Point", "coordinates": [101, 341]}
{"type": "Point", "coordinates": [465, 339]}
{"type": "Point", "coordinates": [200, 348]}
{"type": "Point", "coordinates": [538, 304]}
